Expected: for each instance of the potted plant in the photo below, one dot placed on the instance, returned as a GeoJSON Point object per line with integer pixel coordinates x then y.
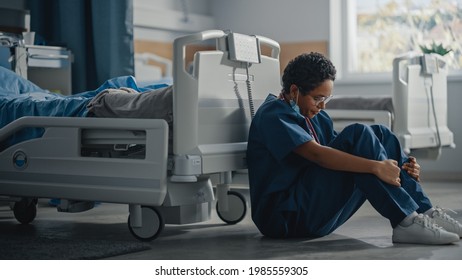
{"type": "Point", "coordinates": [434, 48]}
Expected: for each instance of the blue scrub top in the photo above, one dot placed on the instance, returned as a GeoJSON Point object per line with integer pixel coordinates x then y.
{"type": "Point", "coordinates": [274, 170]}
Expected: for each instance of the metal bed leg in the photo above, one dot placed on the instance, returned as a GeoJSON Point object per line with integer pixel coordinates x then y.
{"type": "Point", "coordinates": [222, 191]}
{"type": "Point", "coordinates": [135, 215]}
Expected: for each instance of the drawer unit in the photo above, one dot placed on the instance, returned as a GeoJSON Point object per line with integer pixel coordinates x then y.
{"type": "Point", "coordinates": [50, 68]}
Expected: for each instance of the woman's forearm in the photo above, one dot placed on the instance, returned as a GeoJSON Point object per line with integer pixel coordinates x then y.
{"type": "Point", "coordinates": [327, 157]}
{"type": "Point", "coordinates": [338, 160]}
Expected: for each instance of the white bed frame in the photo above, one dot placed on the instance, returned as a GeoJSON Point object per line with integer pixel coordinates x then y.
{"type": "Point", "coordinates": [420, 106]}
{"type": "Point", "coordinates": [211, 122]}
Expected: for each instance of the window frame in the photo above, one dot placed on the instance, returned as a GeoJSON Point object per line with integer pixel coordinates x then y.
{"type": "Point", "coordinates": [341, 48]}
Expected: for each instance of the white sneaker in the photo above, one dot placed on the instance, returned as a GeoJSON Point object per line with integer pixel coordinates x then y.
{"type": "Point", "coordinates": [423, 231]}
{"type": "Point", "coordinates": [441, 218]}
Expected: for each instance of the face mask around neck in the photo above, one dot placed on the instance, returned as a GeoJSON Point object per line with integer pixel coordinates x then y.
{"type": "Point", "coordinates": [294, 105]}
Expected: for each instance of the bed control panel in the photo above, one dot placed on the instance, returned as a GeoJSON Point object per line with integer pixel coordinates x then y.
{"type": "Point", "coordinates": [244, 48]}
{"type": "Point", "coordinates": [429, 64]}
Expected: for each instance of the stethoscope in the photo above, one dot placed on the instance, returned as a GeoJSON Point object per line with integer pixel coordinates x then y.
{"type": "Point", "coordinates": [313, 132]}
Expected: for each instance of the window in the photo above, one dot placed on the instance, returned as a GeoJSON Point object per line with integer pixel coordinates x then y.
{"type": "Point", "coordinates": [372, 33]}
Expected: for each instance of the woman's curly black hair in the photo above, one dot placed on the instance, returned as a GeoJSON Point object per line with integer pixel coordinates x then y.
{"type": "Point", "coordinates": [307, 71]}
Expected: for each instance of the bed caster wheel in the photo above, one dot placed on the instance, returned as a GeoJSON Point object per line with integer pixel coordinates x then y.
{"type": "Point", "coordinates": [236, 210]}
{"type": "Point", "coordinates": [152, 224]}
{"type": "Point", "coordinates": [25, 210]}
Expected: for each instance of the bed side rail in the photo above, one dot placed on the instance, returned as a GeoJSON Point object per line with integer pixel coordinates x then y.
{"type": "Point", "coordinates": [57, 164]}
{"type": "Point", "coordinates": [342, 118]}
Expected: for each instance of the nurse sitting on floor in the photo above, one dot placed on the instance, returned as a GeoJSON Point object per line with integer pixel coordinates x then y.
{"type": "Point", "coordinates": [306, 179]}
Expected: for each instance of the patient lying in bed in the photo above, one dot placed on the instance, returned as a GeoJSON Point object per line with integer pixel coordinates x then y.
{"type": "Point", "coordinates": [117, 98]}
{"type": "Point", "coordinates": [129, 103]}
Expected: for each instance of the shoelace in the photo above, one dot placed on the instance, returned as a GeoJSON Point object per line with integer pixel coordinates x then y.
{"type": "Point", "coordinates": [441, 212]}
{"type": "Point", "coordinates": [426, 221]}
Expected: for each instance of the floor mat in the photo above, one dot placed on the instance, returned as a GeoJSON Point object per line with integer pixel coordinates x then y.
{"type": "Point", "coordinates": [43, 248]}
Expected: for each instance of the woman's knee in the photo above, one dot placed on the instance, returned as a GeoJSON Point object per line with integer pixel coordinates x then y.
{"type": "Point", "coordinates": [381, 131]}
{"type": "Point", "coordinates": [359, 130]}
{"type": "Point", "coordinates": [347, 139]}
{"type": "Point", "coordinates": [376, 131]}
{"type": "Point", "coordinates": [361, 140]}
{"type": "Point", "coordinates": [389, 141]}
{"type": "Point", "coordinates": [356, 127]}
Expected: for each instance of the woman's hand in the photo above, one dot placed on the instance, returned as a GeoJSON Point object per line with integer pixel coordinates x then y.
{"type": "Point", "coordinates": [388, 171]}
{"type": "Point", "coordinates": [412, 168]}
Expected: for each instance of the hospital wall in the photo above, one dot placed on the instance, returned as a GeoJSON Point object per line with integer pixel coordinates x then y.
{"type": "Point", "coordinates": [295, 21]}
{"type": "Point", "coordinates": [308, 20]}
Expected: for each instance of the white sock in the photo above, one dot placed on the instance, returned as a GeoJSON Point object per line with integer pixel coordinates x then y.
{"type": "Point", "coordinates": [429, 212]}
{"type": "Point", "coordinates": [408, 220]}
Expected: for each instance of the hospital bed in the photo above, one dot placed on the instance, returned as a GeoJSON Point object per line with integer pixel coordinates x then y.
{"type": "Point", "coordinates": [127, 161]}
{"type": "Point", "coordinates": [416, 111]}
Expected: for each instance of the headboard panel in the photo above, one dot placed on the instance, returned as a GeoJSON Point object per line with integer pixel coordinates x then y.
{"type": "Point", "coordinates": [211, 105]}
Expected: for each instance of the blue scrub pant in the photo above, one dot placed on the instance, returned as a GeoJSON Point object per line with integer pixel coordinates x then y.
{"type": "Point", "coordinates": [332, 197]}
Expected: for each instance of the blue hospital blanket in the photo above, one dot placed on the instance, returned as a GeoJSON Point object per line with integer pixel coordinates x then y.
{"type": "Point", "coordinates": [20, 97]}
